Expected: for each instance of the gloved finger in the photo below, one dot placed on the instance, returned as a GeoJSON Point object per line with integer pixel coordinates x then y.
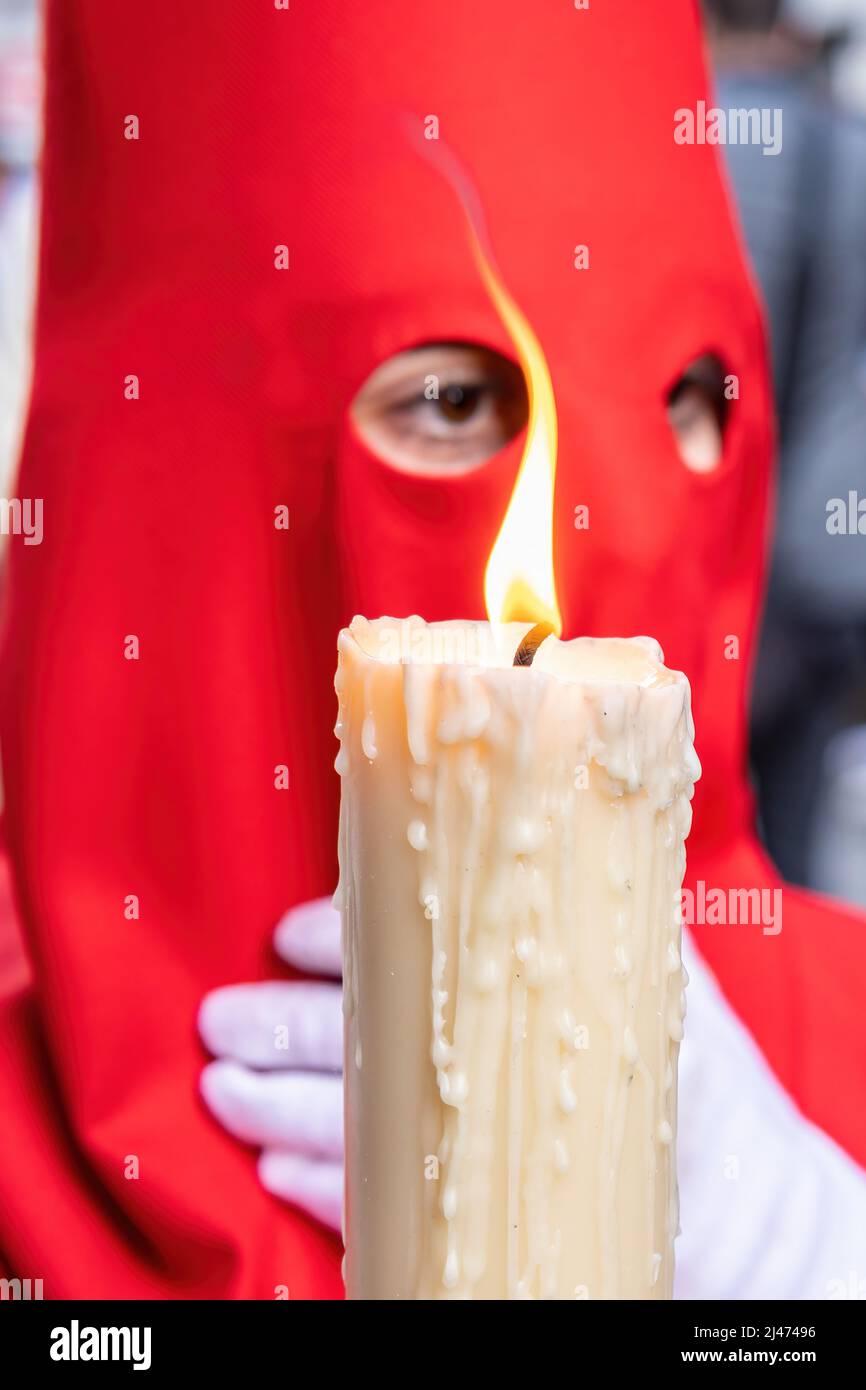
{"type": "Point", "coordinates": [308, 937]}
{"type": "Point", "coordinates": [301, 1111]}
{"type": "Point", "coordinates": [275, 1024]}
{"type": "Point", "coordinates": [316, 1186]}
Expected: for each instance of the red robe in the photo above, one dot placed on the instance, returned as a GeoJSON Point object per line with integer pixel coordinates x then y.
{"type": "Point", "coordinates": [186, 386]}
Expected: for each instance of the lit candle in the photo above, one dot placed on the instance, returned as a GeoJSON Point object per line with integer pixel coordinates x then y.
{"type": "Point", "coordinates": [511, 853]}
{"type": "Point", "coordinates": [513, 817]}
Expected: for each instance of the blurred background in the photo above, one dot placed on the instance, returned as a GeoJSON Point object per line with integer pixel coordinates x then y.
{"type": "Point", "coordinates": [803, 213]}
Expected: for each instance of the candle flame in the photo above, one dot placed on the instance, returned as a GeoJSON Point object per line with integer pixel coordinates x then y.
{"type": "Point", "coordinates": [519, 582]}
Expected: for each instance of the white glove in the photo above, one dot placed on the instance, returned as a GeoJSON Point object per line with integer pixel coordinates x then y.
{"type": "Point", "coordinates": [770, 1207]}
{"type": "Point", "coordinates": [278, 1082]}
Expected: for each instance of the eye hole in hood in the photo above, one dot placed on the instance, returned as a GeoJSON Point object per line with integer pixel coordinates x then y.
{"type": "Point", "coordinates": [442, 408]}
{"type": "Point", "coordinates": [698, 408]}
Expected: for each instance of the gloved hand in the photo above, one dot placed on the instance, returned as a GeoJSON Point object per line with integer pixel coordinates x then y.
{"type": "Point", "coordinates": [770, 1207]}
{"type": "Point", "coordinates": [277, 1083]}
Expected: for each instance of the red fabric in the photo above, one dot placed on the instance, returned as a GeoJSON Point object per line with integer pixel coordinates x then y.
{"type": "Point", "coordinates": [14, 966]}
{"type": "Point", "coordinates": [258, 127]}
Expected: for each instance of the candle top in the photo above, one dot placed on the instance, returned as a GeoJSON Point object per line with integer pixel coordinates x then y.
{"type": "Point", "coordinates": [586, 660]}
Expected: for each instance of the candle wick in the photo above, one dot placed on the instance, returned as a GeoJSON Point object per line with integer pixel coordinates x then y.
{"type": "Point", "coordinates": [525, 653]}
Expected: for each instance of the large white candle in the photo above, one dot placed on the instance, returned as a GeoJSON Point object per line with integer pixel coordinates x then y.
{"type": "Point", "coordinates": [511, 855]}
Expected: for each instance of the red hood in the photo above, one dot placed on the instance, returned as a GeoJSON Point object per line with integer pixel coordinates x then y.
{"type": "Point", "coordinates": [262, 127]}
{"type": "Point", "coordinates": [159, 260]}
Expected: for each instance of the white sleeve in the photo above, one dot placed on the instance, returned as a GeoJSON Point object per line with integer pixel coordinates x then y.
{"type": "Point", "coordinates": [770, 1207]}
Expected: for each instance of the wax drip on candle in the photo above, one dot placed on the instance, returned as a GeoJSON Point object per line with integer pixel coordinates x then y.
{"type": "Point", "coordinates": [516, 941]}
